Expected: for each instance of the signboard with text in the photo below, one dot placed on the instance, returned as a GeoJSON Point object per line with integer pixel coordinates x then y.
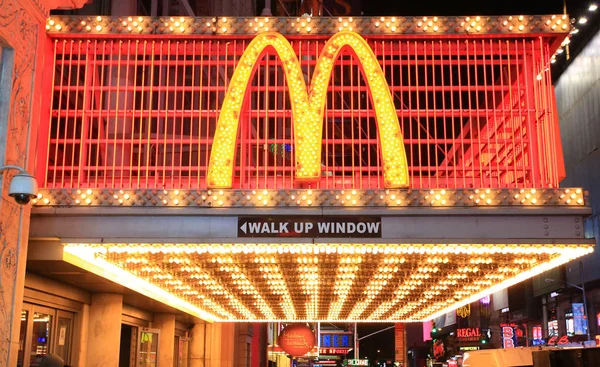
{"type": "Point", "coordinates": [337, 340]}
{"type": "Point", "coordinates": [356, 362]}
{"type": "Point", "coordinates": [579, 321]}
{"type": "Point", "coordinates": [509, 337]}
{"type": "Point", "coordinates": [317, 226]}
{"type": "Point", "coordinates": [468, 334]}
{"type": "Point", "coordinates": [333, 351]}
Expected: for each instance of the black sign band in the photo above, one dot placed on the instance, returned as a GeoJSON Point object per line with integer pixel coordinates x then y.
{"type": "Point", "coordinates": [287, 226]}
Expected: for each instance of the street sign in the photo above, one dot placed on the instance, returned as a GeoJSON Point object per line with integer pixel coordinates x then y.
{"type": "Point", "coordinates": [317, 226]}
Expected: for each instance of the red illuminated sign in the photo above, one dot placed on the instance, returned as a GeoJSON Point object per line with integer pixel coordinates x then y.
{"type": "Point", "coordinates": [334, 350]}
{"type": "Point", "coordinates": [508, 337]}
{"type": "Point", "coordinates": [470, 333]}
{"type": "Point", "coordinates": [297, 340]}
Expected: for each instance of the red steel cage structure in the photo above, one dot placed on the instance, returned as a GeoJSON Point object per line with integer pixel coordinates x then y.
{"type": "Point", "coordinates": [135, 102]}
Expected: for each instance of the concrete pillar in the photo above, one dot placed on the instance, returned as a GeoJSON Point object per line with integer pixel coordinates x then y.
{"type": "Point", "coordinates": [224, 352]}
{"type": "Point", "coordinates": [197, 346]}
{"type": "Point", "coordinates": [104, 335]}
{"type": "Point", "coordinates": [80, 336]}
{"type": "Point", "coordinates": [166, 342]}
{"type": "Point", "coordinates": [244, 344]}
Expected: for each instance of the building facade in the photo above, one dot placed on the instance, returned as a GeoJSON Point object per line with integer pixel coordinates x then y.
{"type": "Point", "coordinates": [200, 176]}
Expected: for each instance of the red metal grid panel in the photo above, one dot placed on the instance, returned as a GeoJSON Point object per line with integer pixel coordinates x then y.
{"type": "Point", "coordinates": [141, 113]}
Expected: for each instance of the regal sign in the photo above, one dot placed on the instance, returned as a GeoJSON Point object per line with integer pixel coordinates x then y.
{"type": "Point", "coordinates": [468, 334]}
{"type": "Point", "coordinates": [296, 340]}
{"type": "Point", "coordinates": [308, 108]}
{"type": "Point", "coordinates": [309, 227]}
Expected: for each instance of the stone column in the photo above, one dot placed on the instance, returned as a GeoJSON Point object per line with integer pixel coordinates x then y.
{"type": "Point", "coordinates": [224, 352]}
{"type": "Point", "coordinates": [104, 330]}
{"type": "Point", "coordinates": [166, 342]}
{"type": "Point", "coordinates": [198, 345]}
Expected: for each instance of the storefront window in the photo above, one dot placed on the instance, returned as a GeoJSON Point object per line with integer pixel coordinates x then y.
{"type": "Point", "coordinates": [63, 332]}
{"type": "Point", "coordinates": [552, 328]}
{"type": "Point", "coordinates": [40, 337]}
{"type": "Point", "coordinates": [22, 332]}
{"type": "Point", "coordinates": [570, 325]}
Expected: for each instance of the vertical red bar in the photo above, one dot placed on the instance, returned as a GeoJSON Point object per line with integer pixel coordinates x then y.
{"type": "Point", "coordinates": [409, 59]}
{"type": "Point", "coordinates": [48, 140]}
{"type": "Point", "coordinates": [175, 156]}
{"type": "Point", "coordinates": [512, 115]}
{"type": "Point", "coordinates": [497, 147]}
{"type": "Point", "coordinates": [353, 93]}
{"type": "Point", "coordinates": [485, 64]}
{"type": "Point", "coordinates": [529, 105]}
{"type": "Point", "coordinates": [419, 108]}
{"type": "Point", "coordinates": [276, 85]}
{"type": "Point", "coordinates": [427, 111]}
{"type": "Point", "coordinates": [264, 144]}
{"type": "Point", "coordinates": [505, 139]}
{"type": "Point", "coordinates": [59, 117]}
{"type": "Point", "coordinates": [208, 118]}
{"type": "Point", "coordinates": [470, 113]}
{"type": "Point", "coordinates": [521, 121]}
{"type": "Point", "coordinates": [117, 114]}
{"type": "Point", "coordinates": [160, 95]}
{"type": "Point", "coordinates": [435, 165]}
{"type": "Point", "coordinates": [104, 123]}
{"type": "Point", "coordinates": [85, 128]}
{"type": "Point", "coordinates": [141, 111]}
{"type": "Point", "coordinates": [454, 151]}
{"type": "Point", "coordinates": [192, 64]}
{"type": "Point", "coordinates": [444, 170]}
{"type": "Point", "coordinates": [66, 121]}
{"type": "Point", "coordinates": [201, 88]}
{"type": "Point", "coordinates": [150, 114]}
{"type": "Point", "coordinates": [76, 118]}
{"type": "Point", "coordinates": [480, 126]}
{"type": "Point", "coordinates": [462, 132]}
{"type": "Point", "coordinates": [133, 115]}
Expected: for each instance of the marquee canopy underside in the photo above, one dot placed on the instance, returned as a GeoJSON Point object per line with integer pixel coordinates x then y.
{"type": "Point", "coordinates": [319, 282]}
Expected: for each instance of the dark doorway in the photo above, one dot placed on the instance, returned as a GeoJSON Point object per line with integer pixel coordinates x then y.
{"type": "Point", "coordinates": [127, 348]}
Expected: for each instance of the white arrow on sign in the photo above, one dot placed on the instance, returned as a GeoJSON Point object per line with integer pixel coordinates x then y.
{"type": "Point", "coordinates": [243, 227]}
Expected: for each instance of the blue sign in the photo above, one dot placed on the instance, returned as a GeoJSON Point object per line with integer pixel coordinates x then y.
{"type": "Point", "coordinates": [333, 340]}
{"type": "Point", "coordinates": [579, 321]}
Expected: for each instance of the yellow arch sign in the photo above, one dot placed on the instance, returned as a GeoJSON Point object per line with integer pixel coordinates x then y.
{"type": "Point", "coordinates": [308, 109]}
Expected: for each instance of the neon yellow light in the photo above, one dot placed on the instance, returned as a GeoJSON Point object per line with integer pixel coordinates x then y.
{"type": "Point", "coordinates": [308, 109]}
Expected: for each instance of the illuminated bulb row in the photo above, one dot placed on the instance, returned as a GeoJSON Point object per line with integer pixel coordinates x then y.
{"type": "Point", "coordinates": [385, 250]}
{"type": "Point", "coordinates": [205, 280]}
{"type": "Point", "coordinates": [308, 197]}
{"type": "Point", "coordinates": [345, 24]}
{"type": "Point", "coordinates": [260, 24]}
{"type": "Point", "coordinates": [376, 284]}
{"type": "Point", "coordinates": [241, 281]}
{"type": "Point", "coordinates": [345, 276]}
{"type": "Point", "coordinates": [429, 24]}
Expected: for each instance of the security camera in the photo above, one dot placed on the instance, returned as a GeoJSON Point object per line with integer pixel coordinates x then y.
{"type": "Point", "coordinates": [23, 188]}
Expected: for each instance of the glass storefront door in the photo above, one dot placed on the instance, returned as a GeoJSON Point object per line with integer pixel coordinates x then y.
{"type": "Point", "coordinates": [43, 330]}
{"type": "Point", "coordinates": [148, 347]}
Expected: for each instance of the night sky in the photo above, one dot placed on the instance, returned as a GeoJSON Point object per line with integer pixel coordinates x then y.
{"type": "Point", "coordinates": [384, 342]}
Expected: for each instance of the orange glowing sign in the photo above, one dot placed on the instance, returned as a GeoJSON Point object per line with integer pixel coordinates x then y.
{"type": "Point", "coordinates": [296, 340]}
{"type": "Point", "coordinates": [308, 109]}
